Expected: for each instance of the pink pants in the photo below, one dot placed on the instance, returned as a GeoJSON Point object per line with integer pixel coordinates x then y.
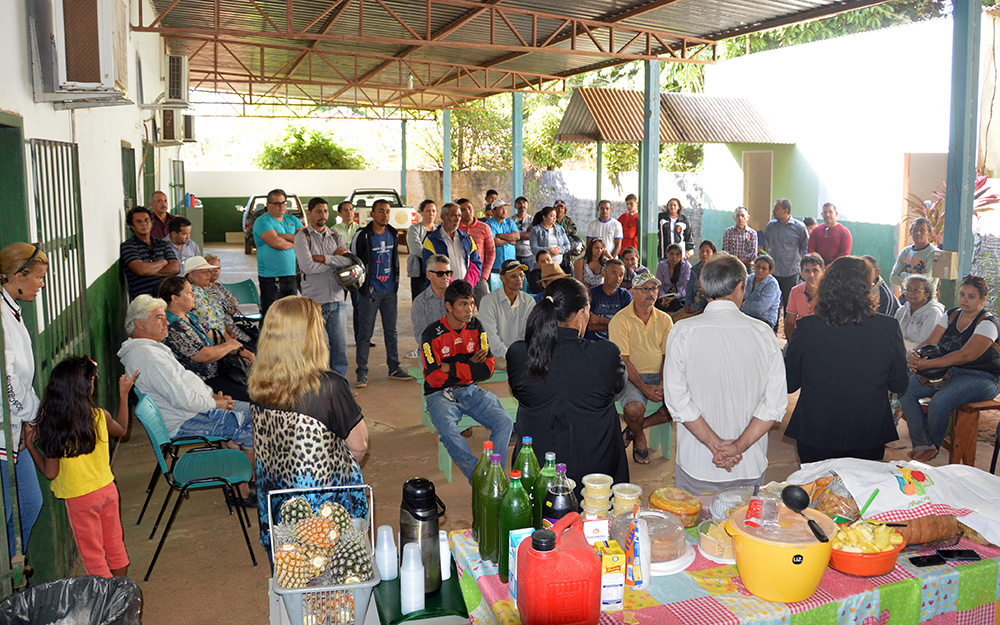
{"type": "Point", "coordinates": [97, 528]}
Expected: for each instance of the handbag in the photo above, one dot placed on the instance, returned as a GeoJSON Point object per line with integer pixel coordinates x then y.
{"type": "Point", "coordinates": [234, 369]}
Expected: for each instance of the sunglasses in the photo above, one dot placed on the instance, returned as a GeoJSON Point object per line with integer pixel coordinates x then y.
{"type": "Point", "coordinates": [441, 274]}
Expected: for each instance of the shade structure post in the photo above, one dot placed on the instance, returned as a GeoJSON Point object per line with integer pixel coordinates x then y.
{"type": "Point", "coordinates": [402, 164]}
{"type": "Point", "coordinates": [600, 171]}
{"type": "Point", "coordinates": [446, 159]}
{"type": "Point", "coordinates": [649, 159]}
{"type": "Point", "coordinates": [517, 145]}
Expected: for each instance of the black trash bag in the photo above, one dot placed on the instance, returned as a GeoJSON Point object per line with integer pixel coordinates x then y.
{"type": "Point", "coordinates": [90, 600]}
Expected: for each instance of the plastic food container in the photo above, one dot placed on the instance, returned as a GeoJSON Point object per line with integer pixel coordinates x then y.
{"type": "Point", "coordinates": [626, 494]}
{"type": "Point", "coordinates": [782, 564]}
{"type": "Point", "coordinates": [597, 485]}
{"type": "Point", "coordinates": [865, 564]}
{"type": "Point", "coordinates": [601, 501]}
{"type": "Point", "coordinates": [617, 508]}
{"type": "Point", "coordinates": [590, 514]}
{"type": "Point", "coordinates": [667, 537]}
{"type": "Point", "coordinates": [720, 549]}
{"type": "Point", "coordinates": [725, 502]}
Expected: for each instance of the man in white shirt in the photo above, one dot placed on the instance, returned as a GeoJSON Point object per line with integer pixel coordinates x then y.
{"type": "Point", "coordinates": [724, 380]}
{"type": "Point", "coordinates": [504, 312]}
{"type": "Point", "coordinates": [607, 229]}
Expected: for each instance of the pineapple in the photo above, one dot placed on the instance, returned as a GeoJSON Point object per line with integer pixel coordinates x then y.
{"type": "Point", "coordinates": [282, 533]}
{"type": "Point", "coordinates": [354, 535]}
{"type": "Point", "coordinates": [329, 607]}
{"type": "Point", "coordinates": [295, 509]}
{"type": "Point", "coordinates": [319, 531]}
{"type": "Point", "coordinates": [338, 513]}
{"type": "Point", "coordinates": [291, 567]}
{"type": "Point", "coordinates": [350, 564]}
{"type": "Point", "coordinates": [318, 558]}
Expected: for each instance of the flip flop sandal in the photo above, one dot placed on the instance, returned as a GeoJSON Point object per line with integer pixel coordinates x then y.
{"type": "Point", "coordinates": [640, 456]}
{"type": "Point", "coordinates": [628, 436]}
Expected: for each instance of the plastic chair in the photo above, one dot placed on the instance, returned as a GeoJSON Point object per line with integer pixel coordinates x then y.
{"type": "Point", "coordinates": [198, 468]}
{"type": "Point", "coordinates": [246, 293]}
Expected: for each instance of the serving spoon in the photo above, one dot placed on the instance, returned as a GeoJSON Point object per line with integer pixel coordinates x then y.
{"type": "Point", "coordinates": [797, 500]}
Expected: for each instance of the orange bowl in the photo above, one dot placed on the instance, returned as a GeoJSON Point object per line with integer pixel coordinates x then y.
{"type": "Point", "coordinates": [866, 564]}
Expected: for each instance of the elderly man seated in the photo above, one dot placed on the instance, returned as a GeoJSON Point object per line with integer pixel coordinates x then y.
{"type": "Point", "coordinates": [188, 406]}
{"type": "Point", "coordinates": [428, 307]}
{"type": "Point", "coordinates": [504, 312]}
{"type": "Point", "coordinates": [606, 300]}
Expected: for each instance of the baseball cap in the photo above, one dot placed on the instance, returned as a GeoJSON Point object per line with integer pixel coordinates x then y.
{"type": "Point", "coordinates": [559, 203]}
{"type": "Point", "coordinates": [643, 278]}
{"type": "Point", "coordinates": [511, 265]}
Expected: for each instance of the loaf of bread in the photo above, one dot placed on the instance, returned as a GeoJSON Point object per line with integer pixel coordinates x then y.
{"type": "Point", "coordinates": [928, 529]}
{"type": "Point", "coordinates": [677, 502]}
{"type": "Point", "coordinates": [972, 535]}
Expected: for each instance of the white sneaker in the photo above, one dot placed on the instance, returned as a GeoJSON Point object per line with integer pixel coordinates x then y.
{"type": "Point", "coordinates": [412, 355]}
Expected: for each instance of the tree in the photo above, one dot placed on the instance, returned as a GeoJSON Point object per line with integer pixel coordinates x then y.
{"type": "Point", "coordinates": [304, 148]}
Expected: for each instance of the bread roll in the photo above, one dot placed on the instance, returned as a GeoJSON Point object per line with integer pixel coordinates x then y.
{"type": "Point", "coordinates": [929, 529]}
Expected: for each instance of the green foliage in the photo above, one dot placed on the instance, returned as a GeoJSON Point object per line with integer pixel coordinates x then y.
{"type": "Point", "coordinates": [305, 148]}
{"type": "Point", "coordinates": [480, 137]}
{"type": "Point", "coordinates": [983, 200]}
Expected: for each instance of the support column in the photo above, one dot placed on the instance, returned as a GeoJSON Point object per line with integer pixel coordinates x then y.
{"type": "Point", "coordinates": [402, 165]}
{"type": "Point", "coordinates": [446, 160]}
{"type": "Point", "coordinates": [961, 182]}
{"type": "Point", "coordinates": [517, 146]}
{"type": "Point", "coordinates": [600, 171]}
{"type": "Point", "coordinates": [649, 160]}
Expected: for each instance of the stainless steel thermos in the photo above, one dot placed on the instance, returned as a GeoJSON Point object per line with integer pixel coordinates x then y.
{"type": "Point", "coordinates": [418, 523]}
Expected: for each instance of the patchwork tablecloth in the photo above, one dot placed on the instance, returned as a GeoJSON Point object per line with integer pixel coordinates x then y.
{"type": "Point", "coordinates": [708, 594]}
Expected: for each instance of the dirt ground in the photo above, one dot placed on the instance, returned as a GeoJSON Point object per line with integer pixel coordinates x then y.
{"type": "Point", "coordinates": [204, 574]}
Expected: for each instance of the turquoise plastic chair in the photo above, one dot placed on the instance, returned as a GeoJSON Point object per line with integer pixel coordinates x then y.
{"type": "Point", "coordinates": [246, 293]}
{"type": "Point", "coordinates": [205, 467]}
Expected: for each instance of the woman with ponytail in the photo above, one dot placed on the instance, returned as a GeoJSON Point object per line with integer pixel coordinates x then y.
{"type": "Point", "coordinates": [566, 386]}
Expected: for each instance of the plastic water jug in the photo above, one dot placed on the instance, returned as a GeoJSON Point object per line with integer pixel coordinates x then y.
{"type": "Point", "coordinates": [418, 523]}
{"type": "Point", "coordinates": [559, 576]}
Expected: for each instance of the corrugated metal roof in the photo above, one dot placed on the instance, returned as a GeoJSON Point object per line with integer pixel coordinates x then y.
{"type": "Point", "coordinates": [554, 39]}
{"type": "Point", "coordinates": [615, 116]}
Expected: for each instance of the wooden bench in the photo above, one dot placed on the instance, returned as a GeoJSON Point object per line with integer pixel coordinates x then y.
{"type": "Point", "coordinates": [961, 444]}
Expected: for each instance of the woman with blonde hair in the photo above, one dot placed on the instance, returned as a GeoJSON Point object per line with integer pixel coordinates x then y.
{"type": "Point", "coordinates": [22, 276]}
{"type": "Point", "coordinates": [308, 431]}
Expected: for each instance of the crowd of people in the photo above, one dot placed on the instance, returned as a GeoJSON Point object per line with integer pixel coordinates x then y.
{"type": "Point", "coordinates": [597, 347]}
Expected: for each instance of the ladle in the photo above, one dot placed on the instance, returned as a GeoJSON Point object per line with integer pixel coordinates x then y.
{"type": "Point", "coordinates": [797, 500]}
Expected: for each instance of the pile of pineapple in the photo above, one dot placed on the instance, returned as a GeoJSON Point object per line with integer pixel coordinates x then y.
{"type": "Point", "coordinates": [321, 548]}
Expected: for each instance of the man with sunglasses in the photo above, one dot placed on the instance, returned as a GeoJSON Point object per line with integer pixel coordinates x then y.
{"type": "Point", "coordinates": [428, 307]}
{"type": "Point", "coordinates": [274, 233]}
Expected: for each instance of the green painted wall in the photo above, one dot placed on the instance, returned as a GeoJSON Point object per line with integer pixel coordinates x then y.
{"type": "Point", "coordinates": [52, 551]}
{"type": "Point", "coordinates": [792, 176]}
{"type": "Point", "coordinates": [879, 240]}
{"type": "Point", "coordinates": [221, 216]}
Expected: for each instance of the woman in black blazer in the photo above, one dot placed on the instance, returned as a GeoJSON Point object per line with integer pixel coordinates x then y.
{"type": "Point", "coordinates": [846, 359]}
{"type": "Point", "coordinates": [673, 227]}
{"type": "Point", "coordinates": [566, 386]}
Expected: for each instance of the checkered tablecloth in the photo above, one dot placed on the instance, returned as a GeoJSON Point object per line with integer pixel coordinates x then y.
{"type": "Point", "coordinates": [711, 594]}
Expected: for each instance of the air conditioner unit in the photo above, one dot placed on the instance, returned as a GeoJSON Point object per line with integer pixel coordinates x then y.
{"type": "Point", "coordinates": [177, 80]}
{"type": "Point", "coordinates": [189, 129]}
{"type": "Point", "coordinates": [79, 51]}
{"type": "Point", "coordinates": [171, 128]}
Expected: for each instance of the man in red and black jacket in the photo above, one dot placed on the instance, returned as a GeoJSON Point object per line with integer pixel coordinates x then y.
{"type": "Point", "coordinates": [456, 355]}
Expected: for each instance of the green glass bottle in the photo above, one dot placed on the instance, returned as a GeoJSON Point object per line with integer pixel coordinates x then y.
{"type": "Point", "coordinates": [490, 495]}
{"type": "Point", "coordinates": [478, 473]}
{"type": "Point", "coordinates": [541, 488]}
{"type": "Point", "coordinates": [515, 513]}
{"type": "Point", "coordinates": [527, 464]}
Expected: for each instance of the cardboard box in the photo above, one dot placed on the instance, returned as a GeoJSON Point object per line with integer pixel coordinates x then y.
{"type": "Point", "coordinates": [945, 265]}
{"type": "Point", "coordinates": [596, 530]}
{"type": "Point", "coordinates": [612, 575]}
{"type": "Point", "coordinates": [516, 536]}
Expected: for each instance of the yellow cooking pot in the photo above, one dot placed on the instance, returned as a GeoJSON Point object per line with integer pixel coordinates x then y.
{"type": "Point", "coordinates": [776, 569]}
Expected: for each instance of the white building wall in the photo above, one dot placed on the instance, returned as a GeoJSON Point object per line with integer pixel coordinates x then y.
{"type": "Point", "coordinates": [854, 105]}
{"type": "Point", "coordinates": [99, 132]}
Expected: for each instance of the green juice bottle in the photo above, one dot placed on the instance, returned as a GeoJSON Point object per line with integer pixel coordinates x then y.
{"type": "Point", "coordinates": [515, 513]}
{"type": "Point", "coordinates": [478, 473]}
{"type": "Point", "coordinates": [541, 488]}
{"type": "Point", "coordinates": [490, 495]}
{"type": "Point", "coordinates": [527, 464]}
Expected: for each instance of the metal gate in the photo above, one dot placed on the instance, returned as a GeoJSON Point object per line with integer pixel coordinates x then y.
{"type": "Point", "coordinates": [58, 215]}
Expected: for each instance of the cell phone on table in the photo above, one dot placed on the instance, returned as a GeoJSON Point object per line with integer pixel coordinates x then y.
{"type": "Point", "coordinates": [931, 560]}
{"type": "Point", "coordinates": [958, 554]}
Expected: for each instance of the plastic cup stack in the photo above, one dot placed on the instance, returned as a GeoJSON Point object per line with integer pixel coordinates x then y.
{"type": "Point", "coordinates": [445, 555]}
{"type": "Point", "coordinates": [596, 496]}
{"type": "Point", "coordinates": [626, 497]}
{"type": "Point", "coordinates": [385, 553]}
{"type": "Point", "coordinates": [411, 580]}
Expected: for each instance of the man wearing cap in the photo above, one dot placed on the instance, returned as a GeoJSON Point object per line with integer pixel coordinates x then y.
{"type": "Point", "coordinates": [319, 252]}
{"type": "Point", "coordinates": [179, 239]}
{"type": "Point", "coordinates": [640, 331]}
{"type": "Point", "coordinates": [505, 237]}
{"type": "Point", "coordinates": [274, 234]}
{"type": "Point", "coordinates": [483, 238]}
{"type": "Point", "coordinates": [726, 385]}
{"type": "Point", "coordinates": [607, 229]}
{"type": "Point", "coordinates": [606, 299]}
{"type": "Point", "coordinates": [549, 273]}
{"type": "Point", "coordinates": [504, 312]}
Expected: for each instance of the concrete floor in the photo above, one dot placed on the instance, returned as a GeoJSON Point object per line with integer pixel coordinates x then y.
{"type": "Point", "coordinates": [204, 574]}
